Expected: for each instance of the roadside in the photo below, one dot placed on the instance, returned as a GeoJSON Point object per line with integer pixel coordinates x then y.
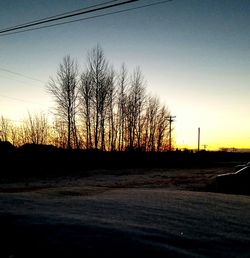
{"type": "Point", "coordinates": [177, 179]}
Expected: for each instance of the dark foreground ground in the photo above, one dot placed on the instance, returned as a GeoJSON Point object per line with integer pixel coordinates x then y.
{"type": "Point", "coordinates": [126, 213]}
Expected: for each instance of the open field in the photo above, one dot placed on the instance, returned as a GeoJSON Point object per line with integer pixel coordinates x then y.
{"type": "Point", "coordinates": [123, 213]}
{"type": "Point", "coordinates": [183, 179]}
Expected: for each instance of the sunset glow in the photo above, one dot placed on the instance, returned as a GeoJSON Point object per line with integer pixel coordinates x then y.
{"type": "Point", "coordinates": [193, 54]}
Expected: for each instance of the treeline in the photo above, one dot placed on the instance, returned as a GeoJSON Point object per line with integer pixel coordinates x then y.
{"type": "Point", "coordinates": [46, 160]}
{"type": "Point", "coordinates": [97, 108]}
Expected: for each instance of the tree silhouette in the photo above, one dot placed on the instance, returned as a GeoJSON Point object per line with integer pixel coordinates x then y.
{"type": "Point", "coordinates": [4, 129]}
{"type": "Point", "coordinates": [122, 103]}
{"type": "Point", "coordinates": [97, 71]}
{"type": "Point", "coordinates": [86, 98]}
{"type": "Point", "coordinates": [98, 108]}
{"type": "Point", "coordinates": [135, 105]}
{"type": "Point", "coordinates": [65, 92]}
{"type": "Point", "coordinates": [36, 128]}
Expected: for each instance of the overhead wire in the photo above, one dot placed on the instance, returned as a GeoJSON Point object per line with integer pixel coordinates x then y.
{"type": "Point", "coordinates": [87, 18]}
{"type": "Point", "coordinates": [3, 32]}
{"type": "Point", "coordinates": [59, 15]}
{"type": "Point", "coordinates": [24, 76]}
{"type": "Point", "coordinates": [35, 23]}
{"type": "Point", "coordinates": [21, 100]}
{"type": "Point", "coordinates": [21, 75]}
{"type": "Point", "coordinates": [12, 79]}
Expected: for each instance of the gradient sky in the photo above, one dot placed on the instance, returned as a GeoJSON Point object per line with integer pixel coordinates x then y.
{"type": "Point", "coordinates": [194, 54]}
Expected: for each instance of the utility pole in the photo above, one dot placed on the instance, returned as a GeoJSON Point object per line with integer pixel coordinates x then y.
{"type": "Point", "coordinates": [170, 120]}
{"type": "Point", "coordinates": [199, 136]}
{"type": "Point", "coordinates": [205, 146]}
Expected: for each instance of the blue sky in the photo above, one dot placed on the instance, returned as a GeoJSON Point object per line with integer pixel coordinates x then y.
{"type": "Point", "coordinates": [194, 54]}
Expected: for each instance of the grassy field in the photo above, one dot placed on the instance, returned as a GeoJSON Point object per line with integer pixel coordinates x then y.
{"type": "Point", "coordinates": [182, 179]}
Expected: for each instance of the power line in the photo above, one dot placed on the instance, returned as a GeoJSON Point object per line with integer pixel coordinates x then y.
{"type": "Point", "coordinates": [20, 100]}
{"type": "Point", "coordinates": [42, 21]}
{"type": "Point", "coordinates": [20, 74]}
{"type": "Point", "coordinates": [87, 18]}
{"type": "Point", "coordinates": [59, 15]}
{"type": "Point", "coordinates": [11, 78]}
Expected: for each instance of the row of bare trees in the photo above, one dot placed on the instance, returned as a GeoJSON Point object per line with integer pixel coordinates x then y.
{"type": "Point", "coordinates": [97, 109]}
{"type": "Point", "coordinates": [33, 129]}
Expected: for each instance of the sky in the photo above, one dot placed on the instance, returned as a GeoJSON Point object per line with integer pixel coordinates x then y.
{"type": "Point", "coordinates": [194, 55]}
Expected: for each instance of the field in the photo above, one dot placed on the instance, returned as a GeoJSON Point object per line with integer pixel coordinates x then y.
{"type": "Point", "coordinates": [123, 213]}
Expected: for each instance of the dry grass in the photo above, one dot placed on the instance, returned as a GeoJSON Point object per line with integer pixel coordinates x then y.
{"type": "Point", "coordinates": [101, 180]}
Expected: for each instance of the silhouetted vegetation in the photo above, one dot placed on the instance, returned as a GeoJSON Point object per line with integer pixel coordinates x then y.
{"type": "Point", "coordinates": [64, 90]}
{"type": "Point", "coordinates": [48, 160]}
{"type": "Point", "coordinates": [97, 108]}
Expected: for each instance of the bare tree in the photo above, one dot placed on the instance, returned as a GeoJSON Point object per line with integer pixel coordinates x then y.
{"type": "Point", "coordinates": [59, 134]}
{"type": "Point", "coordinates": [136, 101]}
{"type": "Point", "coordinates": [64, 90]}
{"type": "Point", "coordinates": [116, 113]}
{"type": "Point", "coordinates": [162, 128]}
{"type": "Point", "coordinates": [36, 129]}
{"type": "Point", "coordinates": [97, 68]}
{"type": "Point", "coordinates": [151, 123]}
{"type": "Point", "coordinates": [86, 97]}
{"type": "Point", "coordinates": [122, 100]}
{"type": "Point", "coordinates": [111, 99]}
{"type": "Point", "coordinates": [4, 129]}
{"type": "Point", "coordinates": [14, 135]}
